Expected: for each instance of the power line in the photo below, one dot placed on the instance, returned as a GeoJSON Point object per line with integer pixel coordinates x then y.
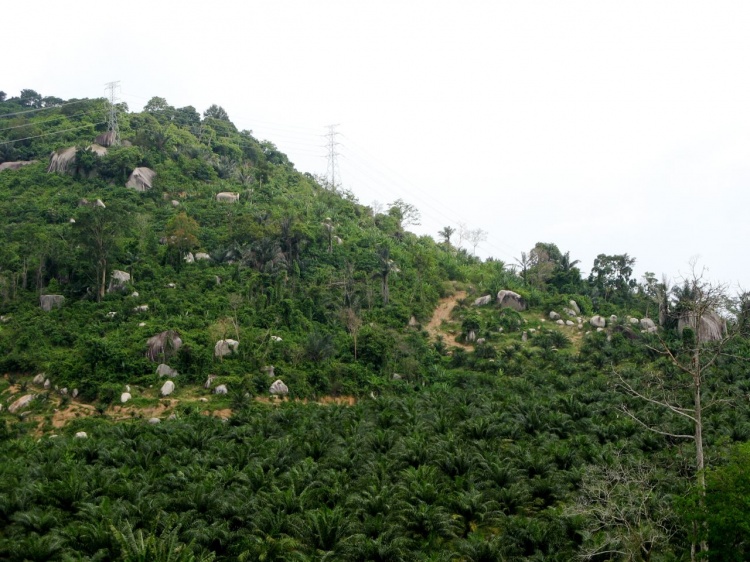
{"type": "Point", "coordinates": [53, 133]}
{"type": "Point", "coordinates": [32, 123]}
{"type": "Point", "coordinates": [42, 108]}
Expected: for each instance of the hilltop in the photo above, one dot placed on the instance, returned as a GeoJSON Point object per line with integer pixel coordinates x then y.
{"type": "Point", "coordinates": [320, 382]}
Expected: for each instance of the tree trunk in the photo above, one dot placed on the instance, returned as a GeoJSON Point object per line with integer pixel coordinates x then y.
{"type": "Point", "coordinates": [699, 458]}
{"type": "Point", "coordinates": [103, 282]}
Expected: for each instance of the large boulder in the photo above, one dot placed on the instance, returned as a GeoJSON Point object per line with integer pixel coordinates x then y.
{"type": "Point", "coordinates": [163, 345]}
{"type": "Point", "coordinates": [509, 299]}
{"type": "Point", "coordinates": [481, 301]}
{"type": "Point", "coordinates": [141, 179]}
{"type": "Point", "coordinates": [164, 370]}
{"type": "Point", "coordinates": [647, 325]}
{"type": "Point", "coordinates": [118, 280]}
{"type": "Point", "coordinates": [21, 403]}
{"type": "Point", "coordinates": [553, 315]}
{"type": "Point", "coordinates": [202, 256]}
{"type": "Point", "coordinates": [225, 347]}
{"type": "Point", "coordinates": [711, 327]}
{"type": "Point", "coordinates": [227, 197]}
{"type": "Point", "coordinates": [63, 160]}
{"type": "Point", "coordinates": [15, 165]}
{"type": "Point", "coordinates": [81, 435]}
{"type": "Point", "coordinates": [167, 388]}
{"type": "Point", "coordinates": [125, 396]}
{"type": "Point", "coordinates": [278, 388]}
{"type": "Point", "coordinates": [598, 321]}
{"type": "Point", "coordinates": [48, 302]}
{"type": "Point", "coordinates": [221, 389]}
{"type": "Point", "coordinates": [39, 379]}
{"type": "Point", "coordinates": [574, 305]}
{"type": "Point", "coordinates": [106, 139]}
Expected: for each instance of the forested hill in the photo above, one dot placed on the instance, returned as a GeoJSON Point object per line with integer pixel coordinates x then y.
{"type": "Point", "coordinates": [324, 384]}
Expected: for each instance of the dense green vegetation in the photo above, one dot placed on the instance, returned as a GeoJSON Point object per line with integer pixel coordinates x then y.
{"type": "Point", "coordinates": [532, 440]}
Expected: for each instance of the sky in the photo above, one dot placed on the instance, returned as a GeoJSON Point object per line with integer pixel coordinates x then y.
{"type": "Point", "coordinates": [601, 126]}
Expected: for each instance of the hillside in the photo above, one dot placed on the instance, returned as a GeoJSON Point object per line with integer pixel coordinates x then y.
{"type": "Point", "coordinates": [227, 358]}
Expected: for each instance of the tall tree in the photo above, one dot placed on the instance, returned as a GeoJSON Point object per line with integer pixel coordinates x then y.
{"type": "Point", "coordinates": [99, 231]}
{"type": "Point", "coordinates": [704, 337]}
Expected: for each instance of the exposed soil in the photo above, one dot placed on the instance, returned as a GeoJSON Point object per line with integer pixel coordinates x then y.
{"type": "Point", "coordinates": [443, 313]}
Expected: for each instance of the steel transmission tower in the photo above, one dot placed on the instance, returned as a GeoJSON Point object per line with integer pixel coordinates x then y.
{"type": "Point", "coordinates": [333, 174]}
{"type": "Point", "coordinates": [113, 88]}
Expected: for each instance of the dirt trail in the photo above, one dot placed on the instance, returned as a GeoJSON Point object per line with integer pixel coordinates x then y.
{"type": "Point", "coordinates": [443, 312]}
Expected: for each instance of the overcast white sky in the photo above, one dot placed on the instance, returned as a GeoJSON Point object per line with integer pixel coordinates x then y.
{"type": "Point", "coordinates": [604, 127]}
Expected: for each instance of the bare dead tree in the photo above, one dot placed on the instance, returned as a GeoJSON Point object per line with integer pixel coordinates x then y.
{"type": "Point", "coordinates": [697, 306]}
{"type": "Point", "coordinates": [625, 514]}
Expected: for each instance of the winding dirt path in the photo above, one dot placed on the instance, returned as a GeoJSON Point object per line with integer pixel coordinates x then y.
{"type": "Point", "coordinates": [443, 312]}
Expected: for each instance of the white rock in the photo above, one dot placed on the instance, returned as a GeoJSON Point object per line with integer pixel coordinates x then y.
{"type": "Point", "coordinates": [209, 381]}
{"type": "Point", "coordinates": [141, 324]}
{"type": "Point", "coordinates": [202, 399]}
{"type": "Point", "coordinates": [633, 320]}
{"type": "Point", "coordinates": [135, 294]}
{"type": "Point", "coordinates": [74, 394]}
{"type": "Point", "coordinates": [64, 391]}
{"type": "Point", "coordinates": [47, 384]}
{"type": "Point", "coordinates": [600, 329]}
{"type": "Point", "coordinates": [48, 302]}
{"type": "Point", "coordinates": [167, 388]}
{"type": "Point", "coordinates": [164, 370]}
{"type": "Point", "coordinates": [554, 315]}
{"type": "Point", "coordinates": [569, 312]}
{"type": "Point", "coordinates": [570, 323]}
{"type": "Point", "coordinates": [82, 435]}
{"type": "Point", "coordinates": [172, 416]}
{"type": "Point", "coordinates": [189, 257]}
{"type": "Point", "coordinates": [598, 321]}
{"type": "Point", "coordinates": [20, 403]}
{"type": "Point", "coordinates": [127, 388]}
{"type": "Point", "coordinates": [124, 397]}
{"type": "Point", "coordinates": [647, 324]}
{"type": "Point", "coordinates": [171, 285]}
{"type": "Point", "coordinates": [39, 379]}
{"type": "Point", "coordinates": [480, 341]}
{"type": "Point", "coordinates": [221, 389]}
{"type": "Point", "coordinates": [276, 338]}
{"type": "Point", "coordinates": [202, 256]}
{"type": "Point", "coordinates": [227, 197]}
{"type": "Point", "coordinates": [175, 203]}
{"type": "Point", "coordinates": [111, 314]}
{"type": "Point", "coordinates": [560, 322]}
{"type": "Point", "coordinates": [226, 347]}
{"type": "Point", "coordinates": [574, 305]}
{"type": "Point", "coordinates": [269, 370]}
{"type": "Point", "coordinates": [510, 299]}
{"type": "Point", "coordinates": [154, 421]}
{"type": "Point", "coordinates": [279, 388]}
{"type": "Point", "coordinates": [524, 336]}
{"type": "Point", "coordinates": [613, 319]}
{"type": "Point", "coordinates": [481, 301]}
{"type": "Point", "coordinates": [141, 308]}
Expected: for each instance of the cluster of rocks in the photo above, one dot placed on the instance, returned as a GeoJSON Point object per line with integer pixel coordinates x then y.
{"type": "Point", "coordinates": [505, 299]}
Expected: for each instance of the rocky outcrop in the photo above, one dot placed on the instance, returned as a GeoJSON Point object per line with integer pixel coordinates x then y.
{"type": "Point", "coordinates": [164, 370]}
{"type": "Point", "coordinates": [16, 165]}
{"type": "Point", "coordinates": [227, 197]}
{"type": "Point", "coordinates": [141, 179]}
{"type": "Point", "coordinates": [48, 302]}
{"type": "Point", "coordinates": [278, 388]}
{"type": "Point", "coordinates": [574, 305]}
{"type": "Point", "coordinates": [481, 301]}
{"type": "Point", "coordinates": [711, 327]}
{"type": "Point", "coordinates": [163, 345]}
{"type": "Point", "coordinates": [598, 321]}
{"type": "Point", "coordinates": [225, 347]}
{"type": "Point", "coordinates": [20, 403]}
{"type": "Point", "coordinates": [509, 299]}
{"type": "Point", "coordinates": [118, 281]}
